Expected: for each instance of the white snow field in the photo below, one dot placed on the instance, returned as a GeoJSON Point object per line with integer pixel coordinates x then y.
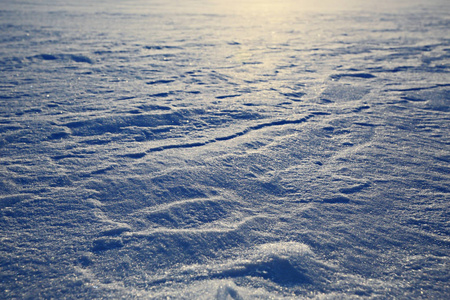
{"type": "Point", "coordinates": [212, 149]}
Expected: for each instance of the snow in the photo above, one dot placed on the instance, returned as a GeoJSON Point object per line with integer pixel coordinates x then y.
{"type": "Point", "coordinates": [224, 149]}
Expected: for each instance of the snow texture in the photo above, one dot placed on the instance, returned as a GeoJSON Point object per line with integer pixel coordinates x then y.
{"type": "Point", "coordinates": [209, 149]}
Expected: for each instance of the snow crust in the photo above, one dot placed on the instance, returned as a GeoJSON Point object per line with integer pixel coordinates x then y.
{"type": "Point", "coordinates": [224, 149]}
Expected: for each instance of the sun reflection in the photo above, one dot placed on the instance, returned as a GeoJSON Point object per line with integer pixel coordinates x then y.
{"type": "Point", "coordinates": [260, 7]}
{"type": "Point", "coordinates": [282, 7]}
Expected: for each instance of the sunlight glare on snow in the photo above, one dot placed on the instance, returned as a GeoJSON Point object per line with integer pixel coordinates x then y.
{"type": "Point", "coordinates": [263, 7]}
{"type": "Point", "coordinates": [267, 8]}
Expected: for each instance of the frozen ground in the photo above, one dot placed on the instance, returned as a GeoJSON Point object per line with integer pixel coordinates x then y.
{"type": "Point", "coordinates": [224, 150]}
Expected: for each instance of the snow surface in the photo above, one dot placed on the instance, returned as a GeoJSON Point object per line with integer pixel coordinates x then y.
{"type": "Point", "coordinates": [210, 149]}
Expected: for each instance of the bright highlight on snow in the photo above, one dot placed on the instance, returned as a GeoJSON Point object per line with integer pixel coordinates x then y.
{"type": "Point", "coordinates": [210, 149]}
